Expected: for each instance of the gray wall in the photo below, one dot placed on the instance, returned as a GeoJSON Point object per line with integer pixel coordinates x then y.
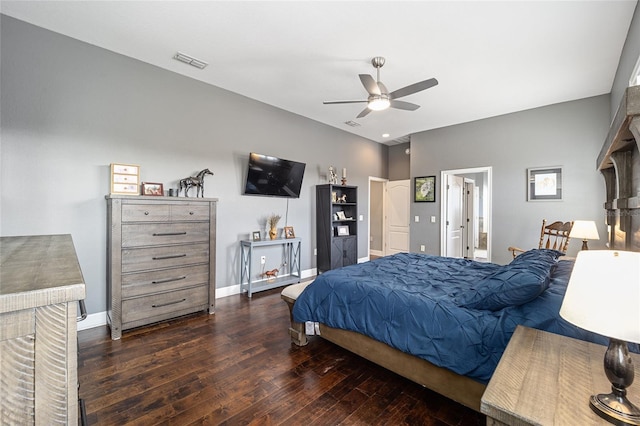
{"type": "Point", "coordinates": [399, 162]}
{"type": "Point", "coordinates": [568, 135]}
{"type": "Point", "coordinates": [69, 109]}
{"type": "Point", "coordinates": [628, 60]}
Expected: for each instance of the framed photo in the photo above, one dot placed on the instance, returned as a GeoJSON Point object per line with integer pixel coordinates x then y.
{"type": "Point", "coordinates": [255, 235]}
{"type": "Point", "coordinates": [424, 189]}
{"type": "Point", "coordinates": [288, 232]}
{"type": "Point", "coordinates": [342, 230]}
{"type": "Point", "coordinates": [150, 188]}
{"type": "Point", "coordinates": [341, 215]}
{"type": "Point", "coordinates": [544, 184]}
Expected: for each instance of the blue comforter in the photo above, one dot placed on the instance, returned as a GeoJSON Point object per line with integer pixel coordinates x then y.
{"type": "Point", "coordinates": [455, 313]}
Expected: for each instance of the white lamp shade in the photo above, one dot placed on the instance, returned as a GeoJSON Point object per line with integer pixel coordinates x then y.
{"type": "Point", "coordinates": [585, 229]}
{"type": "Point", "coordinates": [603, 294]}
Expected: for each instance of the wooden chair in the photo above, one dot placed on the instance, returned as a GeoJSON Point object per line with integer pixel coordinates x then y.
{"type": "Point", "coordinates": [554, 236]}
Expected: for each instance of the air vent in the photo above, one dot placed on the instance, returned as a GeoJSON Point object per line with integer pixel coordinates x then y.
{"type": "Point", "coordinates": [190, 60]}
{"type": "Point", "coordinates": [352, 123]}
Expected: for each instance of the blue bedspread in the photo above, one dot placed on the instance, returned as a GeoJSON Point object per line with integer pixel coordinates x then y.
{"type": "Point", "coordinates": [455, 313]}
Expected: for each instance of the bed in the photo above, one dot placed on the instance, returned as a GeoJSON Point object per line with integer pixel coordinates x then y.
{"type": "Point", "coordinates": [441, 322]}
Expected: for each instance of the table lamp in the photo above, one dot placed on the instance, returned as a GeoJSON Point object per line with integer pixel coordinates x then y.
{"type": "Point", "coordinates": [603, 296]}
{"type": "Point", "coordinates": [585, 229]}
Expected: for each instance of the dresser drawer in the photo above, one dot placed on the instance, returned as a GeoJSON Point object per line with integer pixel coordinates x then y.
{"type": "Point", "coordinates": [144, 259]}
{"type": "Point", "coordinates": [149, 234]}
{"type": "Point", "coordinates": [145, 212]}
{"type": "Point", "coordinates": [143, 283]}
{"type": "Point", "coordinates": [159, 305]}
{"type": "Point", "coordinates": [190, 212]}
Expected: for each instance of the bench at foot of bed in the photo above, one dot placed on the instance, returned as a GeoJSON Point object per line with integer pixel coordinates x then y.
{"type": "Point", "coordinates": [297, 329]}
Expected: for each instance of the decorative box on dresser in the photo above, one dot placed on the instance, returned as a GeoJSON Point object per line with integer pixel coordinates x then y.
{"type": "Point", "coordinates": [40, 286]}
{"type": "Point", "coordinates": [336, 226]}
{"type": "Point", "coordinates": [160, 259]}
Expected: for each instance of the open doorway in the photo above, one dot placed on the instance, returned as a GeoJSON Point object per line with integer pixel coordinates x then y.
{"type": "Point", "coordinates": [466, 212]}
{"type": "Point", "coordinates": [377, 214]}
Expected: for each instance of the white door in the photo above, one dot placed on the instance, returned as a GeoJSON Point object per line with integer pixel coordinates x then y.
{"type": "Point", "coordinates": [470, 241]}
{"type": "Point", "coordinates": [398, 213]}
{"type": "Point", "coordinates": [455, 216]}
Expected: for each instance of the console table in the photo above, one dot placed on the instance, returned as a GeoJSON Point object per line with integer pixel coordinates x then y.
{"type": "Point", "coordinates": [40, 286]}
{"type": "Point", "coordinates": [289, 275]}
{"type": "Point", "coordinates": [547, 379]}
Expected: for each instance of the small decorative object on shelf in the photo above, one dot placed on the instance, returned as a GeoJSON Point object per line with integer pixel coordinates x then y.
{"type": "Point", "coordinates": [150, 188]}
{"type": "Point", "coordinates": [256, 236]}
{"type": "Point", "coordinates": [343, 199]}
{"type": "Point", "coordinates": [288, 232]}
{"type": "Point", "coordinates": [196, 181]}
{"type": "Point", "coordinates": [272, 221]}
{"type": "Point", "coordinates": [344, 176]}
{"type": "Point", "coordinates": [272, 274]}
{"type": "Point", "coordinates": [333, 177]}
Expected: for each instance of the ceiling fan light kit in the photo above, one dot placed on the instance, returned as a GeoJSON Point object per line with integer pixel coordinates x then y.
{"type": "Point", "coordinates": [379, 96]}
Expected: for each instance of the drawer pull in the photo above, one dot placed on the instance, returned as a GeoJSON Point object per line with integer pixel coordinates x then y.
{"type": "Point", "coordinates": [168, 280]}
{"type": "Point", "coordinates": [191, 213]}
{"type": "Point", "coordinates": [167, 234]}
{"type": "Point", "coordinates": [146, 213]}
{"type": "Point", "coordinates": [173, 256]}
{"type": "Point", "coordinates": [167, 304]}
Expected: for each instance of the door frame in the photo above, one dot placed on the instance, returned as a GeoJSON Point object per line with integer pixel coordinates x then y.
{"type": "Point", "coordinates": [385, 225]}
{"type": "Point", "coordinates": [488, 202]}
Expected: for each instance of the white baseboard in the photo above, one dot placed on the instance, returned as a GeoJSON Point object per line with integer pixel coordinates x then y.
{"type": "Point", "coordinates": [100, 318]}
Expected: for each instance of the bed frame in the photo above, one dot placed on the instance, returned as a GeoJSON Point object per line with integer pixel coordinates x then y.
{"type": "Point", "coordinates": [619, 163]}
{"type": "Point", "coordinates": [459, 388]}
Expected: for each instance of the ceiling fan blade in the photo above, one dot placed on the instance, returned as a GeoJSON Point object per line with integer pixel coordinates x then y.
{"type": "Point", "coordinates": [364, 112]}
{"type": "Point", "coordinates": [413, 88]}
{"type": "Point", "coordinates": [404, 105]}
{"type": "Point", "coordinates": [383, 88]}
{"type": "Point", "coordinates": [369, 84]}
{"type": "Point", "coordinates": [343, 102]}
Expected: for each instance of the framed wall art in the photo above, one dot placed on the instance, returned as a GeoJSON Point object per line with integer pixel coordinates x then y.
{"type": "Point", "coordinates": [150, 188]}
{"type": "Point", "coordinates": [544, 184]}
{"type": "Point", "coordinates": [424, 189]}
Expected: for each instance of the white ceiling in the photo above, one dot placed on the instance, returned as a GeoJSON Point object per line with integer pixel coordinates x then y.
{"type": "Point", "coordinates": [491, 58]}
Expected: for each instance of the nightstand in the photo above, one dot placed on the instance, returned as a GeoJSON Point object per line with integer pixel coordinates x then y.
{"type": "Point", "coordinates": [547, 379]}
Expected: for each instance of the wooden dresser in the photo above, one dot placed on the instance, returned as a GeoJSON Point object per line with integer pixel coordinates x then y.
{"type": "Point", "coordinates": [160, 259]}
{"type": "Point", "coordinates": [40, 285]}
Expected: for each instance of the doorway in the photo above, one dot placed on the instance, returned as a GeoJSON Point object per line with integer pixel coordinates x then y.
{"type": "Point", "coordinates": [466, 209]}
{"type": "Point", "coordinates": [377, 214]}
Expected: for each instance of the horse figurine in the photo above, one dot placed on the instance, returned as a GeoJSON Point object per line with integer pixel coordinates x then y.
{"type": "Point", "coordinates": [271, 274]}
{"type": "Point", "coordinates": [197, 181]}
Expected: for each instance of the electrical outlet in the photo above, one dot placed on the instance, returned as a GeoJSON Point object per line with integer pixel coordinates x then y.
{"type": "Point", "coordinates": [422, 248]}
{"type": "Point", "coordinates": [263, 260]}
{"type": "Point", "coordinates": [315, 251]}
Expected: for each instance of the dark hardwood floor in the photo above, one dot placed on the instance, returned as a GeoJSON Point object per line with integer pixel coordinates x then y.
{"type": "Point", "coordinates": [238, 367]}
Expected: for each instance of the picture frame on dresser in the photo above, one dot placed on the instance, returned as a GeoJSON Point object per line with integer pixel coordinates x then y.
{"type": "Point", "coordinates": [152, 189]}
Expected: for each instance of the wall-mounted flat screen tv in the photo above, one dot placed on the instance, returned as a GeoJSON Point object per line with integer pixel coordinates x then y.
{"type": "Point", "coordinates": [273, 176]}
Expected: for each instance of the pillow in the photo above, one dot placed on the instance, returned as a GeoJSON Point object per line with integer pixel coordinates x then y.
{"type": "Point", "coordinates": [513, 284]}
{"type": "Point", "coordinates": [545, 255]}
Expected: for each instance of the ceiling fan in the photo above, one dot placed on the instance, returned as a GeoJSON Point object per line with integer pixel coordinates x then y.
{"type": "Point", "coordinates": [379, 96]}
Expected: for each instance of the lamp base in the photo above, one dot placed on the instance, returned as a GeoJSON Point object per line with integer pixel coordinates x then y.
{"type": "Point", "coordinates": [585, 246]}
{"type": "Point", "coordinates": [615, 409]}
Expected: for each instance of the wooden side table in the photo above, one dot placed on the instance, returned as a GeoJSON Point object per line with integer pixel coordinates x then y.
{"type": "Point", "coordinates": [547, 379]}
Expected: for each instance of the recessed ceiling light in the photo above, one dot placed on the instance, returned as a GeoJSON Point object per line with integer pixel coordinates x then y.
{"type": "Point", "coordinates": [187, 59]}
{"type": "Point", "coordinates": [385, 135]}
